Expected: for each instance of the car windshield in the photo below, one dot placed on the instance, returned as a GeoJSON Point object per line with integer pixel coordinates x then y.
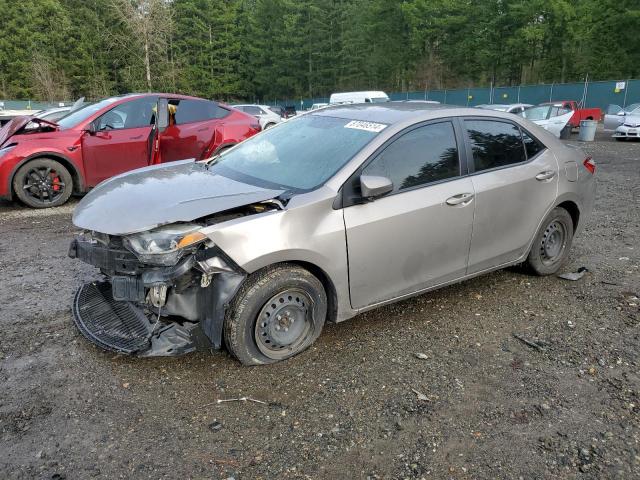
{"type": "Point", "coordinates": [300, 154]}
{"type": "Point", "coordinates": [80, 115]}
{"type": "Point", "coordinates": [634, 107]}
{"type": "Point", "coordinates": [537, 113]}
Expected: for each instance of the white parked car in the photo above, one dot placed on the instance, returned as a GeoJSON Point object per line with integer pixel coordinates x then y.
{"type": "Point", "coordinates": [550, 117]}
{"type": "Point", "coordinates": [266, 117]}
{"type": "Point", "coordinates": [516, 108]}
{"type": "Point", "coordinates": [358, 97]}
{"type": "Point", "coordinates": [317, 106]}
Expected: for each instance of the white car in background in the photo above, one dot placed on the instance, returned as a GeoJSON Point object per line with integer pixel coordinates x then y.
{"type": "Point", "coordinates": [358, 97]}
{"type": "Point", "coordinates": [516, 108]}
{"type": "Point", "coordinates": [552, 118]}
{"type": "Point", "coordinates": [266, 117]}
{"type": "Point", "coordinates": [317, 106]}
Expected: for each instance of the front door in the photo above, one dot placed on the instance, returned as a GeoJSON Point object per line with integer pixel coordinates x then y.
{"type": "Point", "coordinates": [191, 130]}
{"type": "Point", "coordinates": [418, 235]}
{"type": "Point", "coordinates": [515, 179]}
{"type": "Point", "coordinates": [611, 118]}
{"type": "Point", "coordinates": [122, 140]}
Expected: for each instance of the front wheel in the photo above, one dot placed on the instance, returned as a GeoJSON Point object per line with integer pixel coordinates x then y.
{"type": "Point", "coordinates": [552, 243]}
{"type": "Point", "coordinates": [277, 313]}
{"type": "Point", "coordinates": [43, 183]}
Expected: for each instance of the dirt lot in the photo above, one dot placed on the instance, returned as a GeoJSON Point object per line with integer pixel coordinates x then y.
{"type": "Point", "coordinates": [348, 407]}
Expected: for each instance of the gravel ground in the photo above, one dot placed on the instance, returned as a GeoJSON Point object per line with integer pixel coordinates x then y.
{"type": "Point", "coordinates": [359, 404]}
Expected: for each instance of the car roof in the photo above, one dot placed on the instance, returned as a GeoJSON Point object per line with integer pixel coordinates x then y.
{"type": "Point", "coordinates": [399, 112]}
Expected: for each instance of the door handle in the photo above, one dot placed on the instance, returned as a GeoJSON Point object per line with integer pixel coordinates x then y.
{"type": "Point", "coordinates": [203, 129]}
{"type": "Point", "coordinates": [547, 175]}
{"type": "Point", "coordinates": [460, 199]}
{"type": "Point", "coordinates": [137, 137]}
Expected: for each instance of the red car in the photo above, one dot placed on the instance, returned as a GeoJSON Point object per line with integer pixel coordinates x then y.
{"type": "Point", "coordinates": [43, 163]}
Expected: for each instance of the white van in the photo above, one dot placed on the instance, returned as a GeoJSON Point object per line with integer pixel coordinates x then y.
{"type": "Point", "coordinates": [358, 97]}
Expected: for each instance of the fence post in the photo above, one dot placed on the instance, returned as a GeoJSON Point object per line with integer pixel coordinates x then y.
{"type": "Point", "coordinates": [445, 95]}
{"type": "Point", "coordinates": [626, 89]}
{"type": "Point", "coordinates": [551, 93]}
{"type": "Point", "coordinates": [468, 92]}
{"type": "Point", "coordinates": [518, 93]}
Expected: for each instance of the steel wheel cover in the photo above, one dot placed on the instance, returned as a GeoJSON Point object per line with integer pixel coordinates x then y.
{"type": "Point", "coordinates": [285, 323]}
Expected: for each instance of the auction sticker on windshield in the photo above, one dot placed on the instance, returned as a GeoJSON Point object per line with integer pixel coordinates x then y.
{"type": "Point", "coordinates": [368, 126]}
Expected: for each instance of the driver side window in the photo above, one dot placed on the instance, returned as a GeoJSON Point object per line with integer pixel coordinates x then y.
{"type": "Point", "coordinates": [134, 114]}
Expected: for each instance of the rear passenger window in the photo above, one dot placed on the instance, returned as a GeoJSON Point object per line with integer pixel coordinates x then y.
{"type": "Point", "coordinates": [189, 111]}
{"type": "Point", "coordinates": [531, 145]}
{"type": "Point", "coordinates": [424, 155]}
{"type": "Point", "coordinates": [494, 144]}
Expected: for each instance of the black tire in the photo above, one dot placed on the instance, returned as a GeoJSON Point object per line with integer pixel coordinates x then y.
{"type": "Point", "coordinates": [43, 183]}
{"type": "Point", "coordinates": [271, 295]}
{"type": "Point", "coordinates": [269, 125]}
{"type": "Point", "coordinates": [551, 246]}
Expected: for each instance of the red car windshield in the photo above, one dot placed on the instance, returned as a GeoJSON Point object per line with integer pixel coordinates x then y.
{"type": "Point", "coordinates": [85, 112]}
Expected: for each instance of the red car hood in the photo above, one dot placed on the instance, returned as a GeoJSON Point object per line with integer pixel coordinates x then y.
{"type": "Point", "coordinates": [17, 124]}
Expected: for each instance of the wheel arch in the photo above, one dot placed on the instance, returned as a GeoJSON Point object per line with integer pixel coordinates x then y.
{"type": "Point", "coordinates": [320, 274]}
{"type": "Point", "coordinates": [573, 209]}
{"type": "Point", "coordinates": [78, 181]}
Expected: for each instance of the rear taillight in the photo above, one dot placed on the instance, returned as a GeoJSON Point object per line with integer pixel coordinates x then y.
{"type": "Point", "coordinates": [590, 165]}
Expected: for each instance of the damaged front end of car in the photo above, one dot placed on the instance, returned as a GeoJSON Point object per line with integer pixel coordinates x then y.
{"type": "Point", "coordinates": [164, 292]}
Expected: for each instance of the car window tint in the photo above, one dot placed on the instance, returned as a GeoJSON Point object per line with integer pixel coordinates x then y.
{"type": "Point", "coordinates": [494, 144]}
{"type": "Point", "coordinates": [251, 110]}
{"type": "Point", "coordinates": [424, 155]}
{"type": "Point", "coordinates": [531, 145]}
{"type": "Point", "coordinates": [189, 111]}
{"type": "Point", "coordinates": [133, 114]}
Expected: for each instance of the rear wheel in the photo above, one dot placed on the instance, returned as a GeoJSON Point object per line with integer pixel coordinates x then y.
{"type": "Point", "coordinates": [551, 246]}
{"type": "Point", "coordinates": [43, 183]}
{"type": "Point", "coordinates": [278, 313]}
{"type": "Point", "coordinates": [269, 125]}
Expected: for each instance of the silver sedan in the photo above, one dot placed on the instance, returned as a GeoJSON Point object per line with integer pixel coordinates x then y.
{"type": "Point", "coordinates": [329, 215]}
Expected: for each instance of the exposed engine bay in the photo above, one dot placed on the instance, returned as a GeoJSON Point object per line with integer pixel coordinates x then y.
{"type": "Point", "coordinates": [164, 291]}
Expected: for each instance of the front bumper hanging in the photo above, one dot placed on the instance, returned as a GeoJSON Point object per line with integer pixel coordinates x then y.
{"type": "Point", "coordinates": [115, 315]}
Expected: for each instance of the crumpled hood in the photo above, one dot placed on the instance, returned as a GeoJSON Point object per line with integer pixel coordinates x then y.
{"type": "Point", "coordinates": [12, 127]}
{"type": "Point", "coordinates": [149, 197]}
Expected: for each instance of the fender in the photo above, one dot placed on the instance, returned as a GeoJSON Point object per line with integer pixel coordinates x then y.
{"type": "Point", "coordinates": [73, 170]}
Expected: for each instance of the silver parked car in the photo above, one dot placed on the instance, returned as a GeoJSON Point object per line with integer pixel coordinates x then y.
{"type": "Point", "coordinates": [616, 116]}
{"type": "Point", "coordinates": [625, 121]}
{"type": "Point", "coordinates": [331, 214]}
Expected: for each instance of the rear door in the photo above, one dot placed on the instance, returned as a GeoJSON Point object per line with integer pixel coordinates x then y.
{"type": "Point", "coordinates": [122, 140]}
{"type": "Point", "coordinates": [418, 235]}
{"type": "Point", "coordinates": [191, 130]}
{"type": "Point", "coordinates": [515, 179]}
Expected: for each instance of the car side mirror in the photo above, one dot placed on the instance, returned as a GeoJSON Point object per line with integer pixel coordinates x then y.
{"type": "Point", "coordinates": [622, 113]}
{"type": "Point", "coordinates": [373, 186]}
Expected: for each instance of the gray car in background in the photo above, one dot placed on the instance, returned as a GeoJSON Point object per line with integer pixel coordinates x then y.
{"type": "Point", "coordinates": [329, 215]}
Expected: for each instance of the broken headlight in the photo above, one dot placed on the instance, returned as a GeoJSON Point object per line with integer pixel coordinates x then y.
{"type": "Point", "coordinates": [164, 245]}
